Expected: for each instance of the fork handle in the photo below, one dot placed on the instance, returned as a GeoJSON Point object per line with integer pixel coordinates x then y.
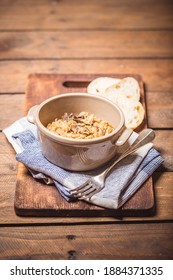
{"type": "Point", "coordinates": [105, 172]}
{"type": "Point", "coordinates": [146, 136]}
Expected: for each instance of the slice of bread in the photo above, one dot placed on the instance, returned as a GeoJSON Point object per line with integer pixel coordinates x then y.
{"type": "Point", "coordinates": [127, 87]}
{"type": "Point", "coordinates": [99, 85]}
{"type": "Point", "coordinates": [125, 93]}
{"type": "Point", "coordinates": [133, 111]}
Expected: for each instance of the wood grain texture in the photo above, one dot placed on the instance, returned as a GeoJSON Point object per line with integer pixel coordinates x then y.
{"type": "Point", "coordinates": [11, 109]}
{"type": "Point", "coordinates": [156, 74]}
{"type": "Point", "coordinates": [162, 136]}
{"type": "Point", "coordinates": [33, 198]}
{"type": "Point", "coordinates": [162, 188]}
{"type": "Point", "coordinates": [162, 185]}
{"type": "Point", "coordinates": [30, 201]}
{"type": "Point", "coordinates": [87, 237]}
{"type": "Point", "coordinates": [41, 86]}
{"type": "Point", "coordinates": [160, 108]}
{"type": "Point", "coordinates": [164, 144]}
{"type": "Point", "coordinates": [159, 114]}
{"type": "Point", "coordinates": [101, 242]}
{"type": "Point", "coordinates": [90, 14]}
{"type": "Point", "coordinates": [86, 44]}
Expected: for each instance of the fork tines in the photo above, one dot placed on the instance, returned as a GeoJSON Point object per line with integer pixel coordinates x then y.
{"type": "Point", "coordinates": [84, 191]}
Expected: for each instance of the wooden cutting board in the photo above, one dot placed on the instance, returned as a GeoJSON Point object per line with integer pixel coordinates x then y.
{"type": "Point", "coordinates": [34, 198]}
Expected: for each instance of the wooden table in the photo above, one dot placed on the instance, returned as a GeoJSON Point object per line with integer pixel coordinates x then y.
{"type": "Point", "coordinates": [93, 36]}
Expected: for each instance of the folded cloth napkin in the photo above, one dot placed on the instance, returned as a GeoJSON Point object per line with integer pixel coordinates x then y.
{"type": "Point", "coordinates": [121, 183]}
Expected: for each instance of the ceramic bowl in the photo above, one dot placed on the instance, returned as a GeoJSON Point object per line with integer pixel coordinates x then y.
{"type": "Point", "coordinates": [79, 154]}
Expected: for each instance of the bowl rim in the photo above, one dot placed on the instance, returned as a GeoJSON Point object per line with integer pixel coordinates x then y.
{"type": "Point", "coordinates": [73, 141]}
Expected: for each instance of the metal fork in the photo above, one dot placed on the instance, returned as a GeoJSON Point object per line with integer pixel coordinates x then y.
{"type": "Point", "coordinates": [97, 183]}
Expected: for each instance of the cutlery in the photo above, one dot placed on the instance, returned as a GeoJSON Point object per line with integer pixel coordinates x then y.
{"type": "Point", "coordinates": [96, 183]}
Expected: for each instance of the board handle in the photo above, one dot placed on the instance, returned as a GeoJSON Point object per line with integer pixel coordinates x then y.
{"type": "Point", "coordinates": [75, 84]}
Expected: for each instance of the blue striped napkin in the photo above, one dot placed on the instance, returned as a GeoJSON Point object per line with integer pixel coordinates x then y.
{"type": "Point", "coordinates": [124, 180]}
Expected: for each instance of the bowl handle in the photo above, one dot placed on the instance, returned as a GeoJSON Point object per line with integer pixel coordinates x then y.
{"type": "Point", "coordinates": [124, 137]}
{"type": "Point", "coordinates": [31, 114]}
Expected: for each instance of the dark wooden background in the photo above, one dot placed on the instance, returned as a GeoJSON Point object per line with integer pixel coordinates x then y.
{"type": "Point", "coordinates": [93, 36]}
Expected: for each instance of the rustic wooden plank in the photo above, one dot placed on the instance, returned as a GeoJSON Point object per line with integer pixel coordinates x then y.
{"type": "Point", "coordinates": [12, 109]}
{"type": "Point", "coordinates": [163, 192]}
{"type": "Point", "coordinates": [164, 144]}
{"type": "Point", "coordinates": [156, 74]}
{"type": "Point", "coordinates": [35, 199]}
{"type": "Point", "coordinates": [81, 242]}
{"type": "Point", "coordinates": [90, 14]}
{"type": "Point", "coordinates": [86, 44]}
{"type": "Point", "coordinates": [162, 136]}
{"type": "Point", "coordinates": [160, 109]}
{"type": "Point", "coordinates": [8, 163]}
{"type": "Point", "coordinates": [160, 113]}
{"type": "Point", "coordinates": [162, 187]}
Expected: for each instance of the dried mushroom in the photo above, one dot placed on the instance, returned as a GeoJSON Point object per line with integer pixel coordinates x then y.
{"type": "Point", "coordinates": [80, 126]}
